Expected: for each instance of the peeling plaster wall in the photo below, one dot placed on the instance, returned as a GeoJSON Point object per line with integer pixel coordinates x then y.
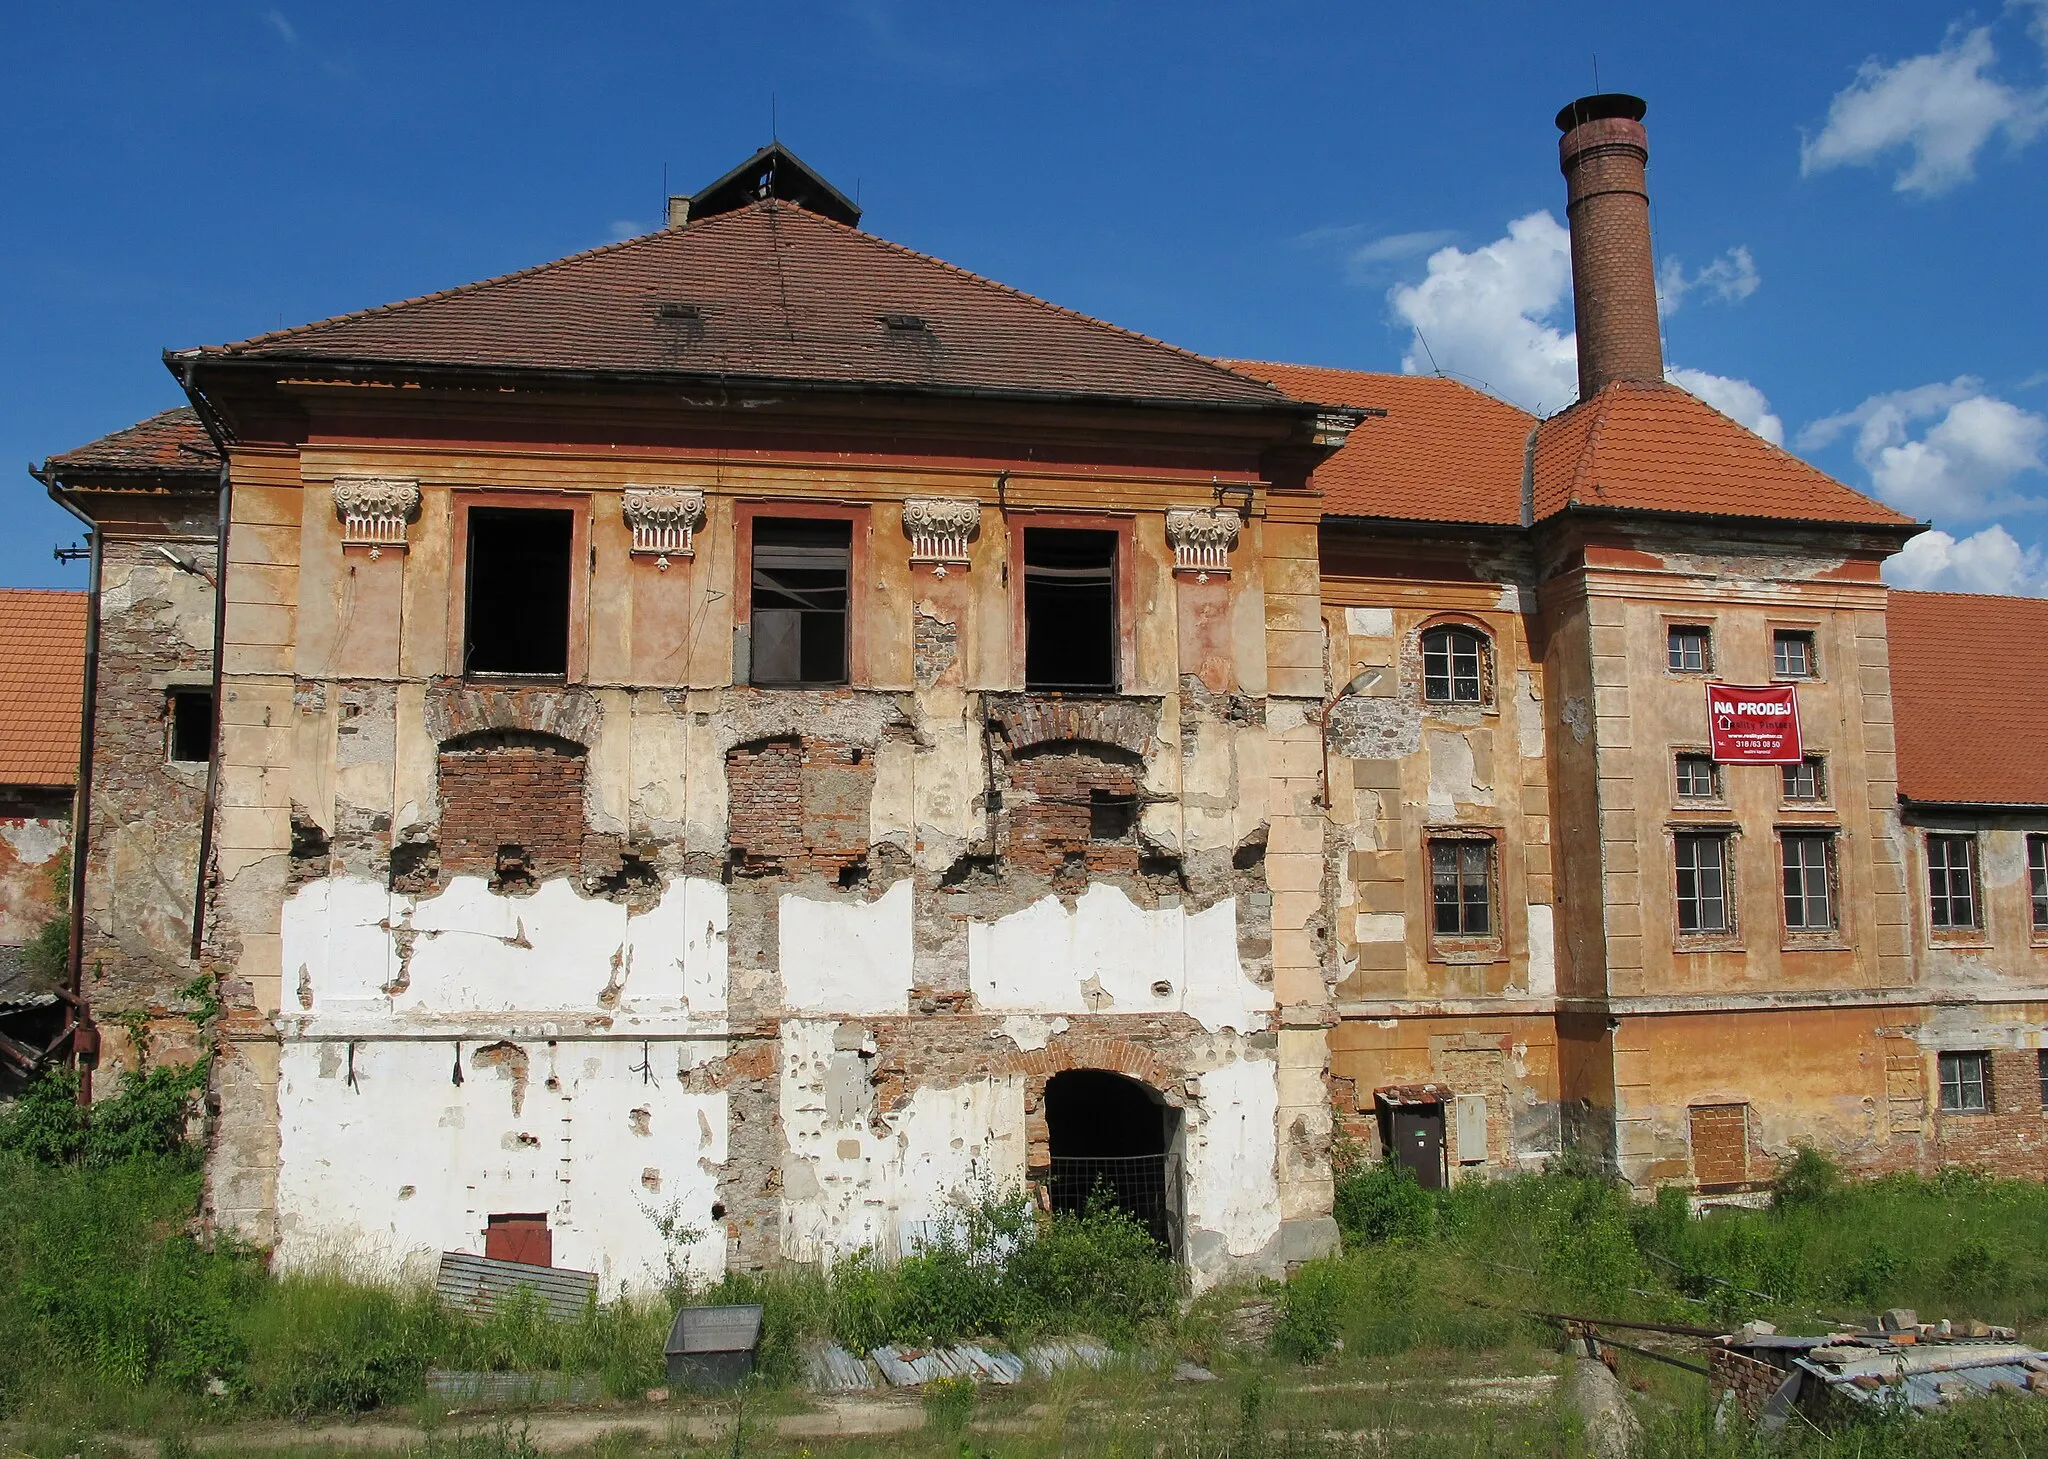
{"type": "Point", "coordinates": [382, 1174]}
{"type": "Point", "coordinates": [1232, 1155]}
{"type": "Point", "coordinates": [30, 850]}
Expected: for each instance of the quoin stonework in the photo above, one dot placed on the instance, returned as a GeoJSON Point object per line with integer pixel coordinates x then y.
{"type": "Point", "coordinates": [758, 730]}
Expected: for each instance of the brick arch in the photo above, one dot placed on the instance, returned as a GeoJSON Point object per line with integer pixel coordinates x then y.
{"type": "Point", "coordinates": [455, 711]}
{"type": "Point", "coordinates": [1111, 1055]}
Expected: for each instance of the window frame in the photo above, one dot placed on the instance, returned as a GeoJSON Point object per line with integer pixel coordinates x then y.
{"type": "Point", "coordinates": [1826, 838]}
{"type": "Point", "coordinates": [1818, 765]}
{"type": "Point", "coordinates": [1679, 763]}
{"type": "Point", "coordinates": [1951, 1061]}
{"type": "Point", "coordinates": [2041, 1076]}
{"type": "Point", "coordinates": [1941, 905]}
{"type": "Point", "coordinates": [1808, 640]}
{"type": "Point", "coordinates": [1724, 842]}
{"type": "Point", "coordinates": [1672, 629]}
{"type": "Point", "coordinates": [540, 499]}
{"type": "Point", "coordinates": [1483, 695]}
{"type": "Point", "coordinates": [1465, 946]}
{"type": "Point", "coordinates": [745, 514]}
{"type": "Point", "coordinates": [1016, 522]}
{"type": "Point", "coordinates": [2037, 883]}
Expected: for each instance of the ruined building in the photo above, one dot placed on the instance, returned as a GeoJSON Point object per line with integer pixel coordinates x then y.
{"type": "Point", "coordinates": [756, 732]}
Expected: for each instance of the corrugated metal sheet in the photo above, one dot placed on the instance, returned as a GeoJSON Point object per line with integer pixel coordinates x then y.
{"type": "Point", "coordinates": [832, 1369]}
{"type": "Point", "coordinates": [476, 1284]}
{"type": "Point", "coordinates": [514, 1387]}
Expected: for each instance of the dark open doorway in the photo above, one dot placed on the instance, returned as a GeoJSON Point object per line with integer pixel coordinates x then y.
{"type": "Point", "coordinates": [1114, 1136]}
{"type": "Point", "coordinates": [1412, 1131]}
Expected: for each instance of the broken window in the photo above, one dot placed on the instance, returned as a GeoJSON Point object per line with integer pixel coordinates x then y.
{"type": "Point", "coordinates": [1805, 781]}
{"type": "Point", "coordinates": [2037, 879]}
{"type": "Point", "coordinates": [1699, 778]}
{"type": "Point", "coordinates": [1965, 1082]}
{"type": "Point", "coordinates": [1952, 881]}
{"type": "Point", "coordinates": [1702, 882]}
{"type": "Point", "coordinates": [1453, 666]}
{"type": "Point", "coordinates": [1689, 649]}
{"type": "Point", "coordinates": [1809, 863]}
{"type": "Point", "coordinates": [2041, 1075]}
{"type": "Point", "coordinates": [517, 619]}
{"type": "Point", "coordinates": [1792, 654]}
{"type": "Point", "coordinates": [1110, 815]}
{"type": "Point", "coordinates": [1069, 610]}
{"type": "Point", "coordinates": [188, 726]}
{"type": "Point", "coordinates": [1461, 887]}
{"type": "Point", "coordinates": [802, 569]}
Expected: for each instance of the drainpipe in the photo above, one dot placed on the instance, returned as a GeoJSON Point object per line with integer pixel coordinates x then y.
{"type": "Point", "coordinates": [85, 1038]}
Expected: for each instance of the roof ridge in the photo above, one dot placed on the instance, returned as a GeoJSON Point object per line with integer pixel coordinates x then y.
{"type": "Point", "coordinates": [1401, 375]}
{"type": "Point", "coordinates": [1589, 449]}
{"type": "Point", "coordinates": [437, 295]}
{"type": "Point", "coordinates": [1029, 298]}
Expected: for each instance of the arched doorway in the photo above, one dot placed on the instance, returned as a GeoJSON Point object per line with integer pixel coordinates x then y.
{"type": "Point", "coordinates": [1114, 1135]}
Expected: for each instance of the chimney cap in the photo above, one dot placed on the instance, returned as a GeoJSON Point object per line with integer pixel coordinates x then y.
{"type": "Point", "coordinates": [1600, 108]}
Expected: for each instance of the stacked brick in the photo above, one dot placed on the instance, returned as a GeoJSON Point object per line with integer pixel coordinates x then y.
{"type": "Point", "coordinates": [513, 795]}
{"type": "Point", "coordinates": [1069, 810]}
{"type": "Point", "coordinates": [799, 805]}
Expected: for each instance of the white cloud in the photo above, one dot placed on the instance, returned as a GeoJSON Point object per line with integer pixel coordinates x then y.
{"type": "Point", "coordinates": [1496, 315]}
{"type": "Point", "coordinates": [624, 228]}
{"type": "Point", "coordinates": [1737, 399]}
{"type": "Point", "coordinates": [276, 21]}
{"type": "Point", "coordinates": [1941, 108]}
{"type": "Point", "coordinates": [1966, 464]}
{"type": "Point", "coordinates": [1730, 279]}
{"type": "Point", "coordinates": [1989, 561]}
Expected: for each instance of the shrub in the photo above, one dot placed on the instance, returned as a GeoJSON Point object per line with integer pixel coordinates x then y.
{"type": "Point", "coordinates": [948, 1404]}
{"type": "Point", "coordinates": [1808, 1179]}
{"type": "Point", "coordinates": [1379, 1201]}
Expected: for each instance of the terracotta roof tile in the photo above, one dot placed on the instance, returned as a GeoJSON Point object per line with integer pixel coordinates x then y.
{"type": "Point", "coordinates": [1443, 452]}
{"type": "Point", "coordinates": [173, 442]}
{"type": "Point", "coordinates": [1654, 447]}
{"type": "Point", "coordinates": [42, 680]}
{"type": "Point", "coordinates": [1969, 697]}
{"type": "Point", "coordinates": [779, 293]}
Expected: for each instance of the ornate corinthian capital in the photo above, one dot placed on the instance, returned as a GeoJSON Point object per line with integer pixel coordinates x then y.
{"type": "Point", "coordinates": [664, 520]}
{"type": "Point", "coordinates": [939, 528]}
{"type": "Point", "coordinates": [375, 509]}
{"type": "Point", "coordinates": [1202, 538]}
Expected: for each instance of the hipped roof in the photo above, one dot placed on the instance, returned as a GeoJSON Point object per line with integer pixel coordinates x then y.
{"type": "Point", "coordinates": [1969, 701]}
{"type": "Point", "coordinates": [172, 443]}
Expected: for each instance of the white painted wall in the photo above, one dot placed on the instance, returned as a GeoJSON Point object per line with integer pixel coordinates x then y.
{"type": "Point", "coordinates": [1232, 1159]}
{"type": "Point", "coordinates": [848, 1185]}
{"type": "Point", "coordinates": [1107, 954]}
{"type": "Point", "coordinates": [384, 1175]}
{"type": "Point", "coordinates": [846, 957]}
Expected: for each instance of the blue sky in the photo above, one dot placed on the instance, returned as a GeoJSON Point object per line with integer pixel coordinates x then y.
{"type": "Point", "coordinates": [1848, 200]}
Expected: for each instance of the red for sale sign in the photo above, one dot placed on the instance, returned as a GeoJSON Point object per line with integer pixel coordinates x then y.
{"type": "Point", "coordinates": [1754, 726]}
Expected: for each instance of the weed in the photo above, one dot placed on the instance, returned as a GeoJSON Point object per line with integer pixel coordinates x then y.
{"type": "Point", "coordinates": [948, 1404]}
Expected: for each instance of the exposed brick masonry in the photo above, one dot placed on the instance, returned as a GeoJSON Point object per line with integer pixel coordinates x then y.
{"type": "Point", "coordinates": [1614, 277]}
{"type": "Point", "coordinates": [1056, 809]}
{"type": "Point", "coordinates": [2012, 1136]}
{"type": "Point", "coordinates": [512, 791]}
{"type": "Point", "coordinates": [799, 804]}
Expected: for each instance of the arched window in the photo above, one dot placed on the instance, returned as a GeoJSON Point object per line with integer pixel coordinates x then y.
{"type": "Point", "coordinates": [1453, 665]}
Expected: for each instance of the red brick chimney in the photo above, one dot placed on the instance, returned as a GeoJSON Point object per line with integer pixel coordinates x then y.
{"type": "Point", "coordinates": [1604, 152]}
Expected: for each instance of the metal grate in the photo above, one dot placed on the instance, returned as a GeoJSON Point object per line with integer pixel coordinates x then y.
{"type": "Point", "coordinates": [1136, 1184]}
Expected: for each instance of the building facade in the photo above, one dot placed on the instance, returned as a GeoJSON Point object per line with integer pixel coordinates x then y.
{"type": "Point", "coordinates": [735, 743]}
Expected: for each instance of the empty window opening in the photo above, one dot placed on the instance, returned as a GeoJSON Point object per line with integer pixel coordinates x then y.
{"type": "Point", "coordinates": [1720, 1144]}
{"type": "Point", "coordinates": [1792, 655]}
{"type": "Point", "coordinates": [517, 621]}
{"type": "Point", "coordinates": [1453, 666]}
{"type": "Point", "coordinates": [2037, 879]}
{"type": "Point", "coordinates": [802, 569]}
{"type": "Point", "coordinates": [1069, 610]}
{"type": "Point", "coordinates": [1461, 887]}
{"type": "Point", "coordinates": [1702, 883]}
{"type": "Point", "coordinates": [1689, 650]}
{"type": "Point", "coordinates": [1807, 780]}
{"type": "Point", "coordinates": [522, 1238]}
{"type": "Point", "coordinates": [1952, 881]}
{"type": "Point", "coordinates": [1112, 1140]}
{"type": "Point", "coordinates": [188, 726]}
{"type": "Point", "coordinates": [1699, 778]}
{"type": "Point", "coordinates": [1965, 1082]}
{"type": "Point", "coordinates": [1110, 815]}
{"type": "Point", "coordinates": [1809, 864]}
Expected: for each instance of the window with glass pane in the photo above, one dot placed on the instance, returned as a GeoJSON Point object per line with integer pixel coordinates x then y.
{"type": "Point", "coordinates": [1688, 650]}
{"type": "Point", "coordinates": [1952, 881]}
{"type": "Point", "coordinates": [2037, 878]}
{"type": "Point", "coordinates": [1809, 861]}
{"type": "Point", "coordinates": [1453, 666]}
{"type": "Point", "coordinates": [1702, 883]}
{"type": "Point", "coordinates": [1461, 874]}
{"type": "Point", "coordinates": [798, 632]}
{"type": "Point", "coordinates": [1965, 1081]}
{"type": "Point", "coordinates": [1698, 778]}
{"type": "Point", "coordinates": [1792, 655]}
{"type": "Point", "coordinates": [1806, 780]}
{"type": "Point", "coordinates": [2041, 1075]}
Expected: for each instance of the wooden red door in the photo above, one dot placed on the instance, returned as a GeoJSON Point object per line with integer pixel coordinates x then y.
{"type": "Point", "coordinates": [523, 1239]}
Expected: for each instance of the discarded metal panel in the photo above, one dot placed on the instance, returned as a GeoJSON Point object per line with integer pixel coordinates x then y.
{"type": "Point", "coordinates": [994, 1364]}
{"type": "Point", "coordinates": [462, 1387]}
{"type": "Point", "coordinates": [477, 1284]}
{"type": "Point", "coordinates": [1046, 1359]}
{"type": "Point", "coordinates": [909, 1367]}
{"type": "Point", "coordinates": [712, 1348]}
{"type": "Point", "coordinates": [832, 1369]}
